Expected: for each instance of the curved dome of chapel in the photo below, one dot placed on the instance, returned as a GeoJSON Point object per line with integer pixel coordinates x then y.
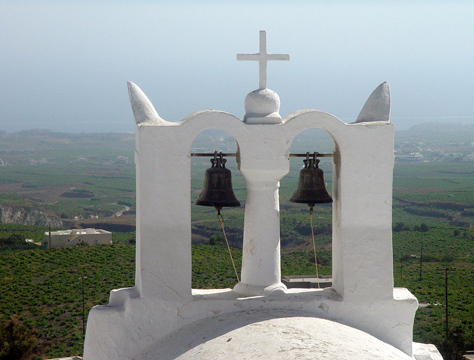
{"type": "Point", "coordinates": [270, 334]}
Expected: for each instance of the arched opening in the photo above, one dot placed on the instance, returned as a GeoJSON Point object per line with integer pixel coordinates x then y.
{"type": "Point", "coordinates": [298, 263]}
{"type": "Point", "coordinates": [212, 265]}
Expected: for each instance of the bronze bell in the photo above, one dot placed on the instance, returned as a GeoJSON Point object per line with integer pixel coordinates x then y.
{"type": "Point", "coordinates": [217, 189]}
{"type": "Point", "coordinates": [311, 189]}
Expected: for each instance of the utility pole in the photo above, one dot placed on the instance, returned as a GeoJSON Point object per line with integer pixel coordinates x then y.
{"type": "Point", "coordinates": [446, 298]}
{"type": "Point", "coordinates": [446, 294]}
{"type": "Point", "coordinates": [401, 269]}
{"type": "Point", "coordinates": [421, 261]}
{"type": "Point", "coordinates": [49, 243]}
{"type": "Point", "coordinates": [82, 278]}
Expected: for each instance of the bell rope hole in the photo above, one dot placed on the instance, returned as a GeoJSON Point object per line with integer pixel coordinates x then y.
{"type": "Point", "coordinates": [211, 174]}
{"type": "Point", "coordinates": [297, 228]}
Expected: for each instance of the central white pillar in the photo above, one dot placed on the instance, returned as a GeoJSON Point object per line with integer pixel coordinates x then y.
{"type": "Point", "coordinates": [261, 270]}
{"type": "Point", "coordinates": [263, 165]}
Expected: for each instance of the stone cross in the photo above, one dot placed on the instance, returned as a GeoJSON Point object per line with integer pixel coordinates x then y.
{"type": "Point", "coordinates": [262, 57]}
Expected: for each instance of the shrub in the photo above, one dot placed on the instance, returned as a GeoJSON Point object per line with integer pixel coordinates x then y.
{"type": "Point", "coordinates": [400, 226]}
{"type": "Point", "coordinates": [17, 342]}
{"type": "Point", "coordinates": [216, 240]}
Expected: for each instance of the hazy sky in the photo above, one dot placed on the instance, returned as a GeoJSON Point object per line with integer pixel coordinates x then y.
{"type": "Point", "coordinates": [64, 64]}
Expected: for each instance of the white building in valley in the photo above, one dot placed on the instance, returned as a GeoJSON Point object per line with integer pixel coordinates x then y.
{"type": "Point", "coordinates": [62, 238]}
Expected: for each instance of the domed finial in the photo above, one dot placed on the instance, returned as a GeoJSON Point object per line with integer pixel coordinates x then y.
{"type": "Point", "coordinates": [262, 106]}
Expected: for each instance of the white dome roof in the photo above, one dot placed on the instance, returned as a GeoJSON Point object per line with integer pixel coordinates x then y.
{"type": "Point", "coordinates": [259, 335]}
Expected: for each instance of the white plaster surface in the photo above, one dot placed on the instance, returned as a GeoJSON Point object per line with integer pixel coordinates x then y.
{"type": "Point", "coordinates": [161, 302]}
{"type": "Point", "coordinates": [143, 110]}
{"type": "Point", "coordinates": [266, 334]}
{"type": "Point", "coordinates": [262, 106]}
{"type": "Point", "coordinates": [124, 331]}
{"type": "Point", "coordinates": [377, 106]}
{"type": "Point", "coordinates": [426, 352]}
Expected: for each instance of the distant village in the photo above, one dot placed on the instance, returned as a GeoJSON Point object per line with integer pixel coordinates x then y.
{"type": "Point", "coordinates": [34, 162]}
{"type": "Point", "coordinates": [415, 151]}
{"type": "Point", "coordinates": [410, 145]}
{"type": "Point", "coordinates": [406, 151]}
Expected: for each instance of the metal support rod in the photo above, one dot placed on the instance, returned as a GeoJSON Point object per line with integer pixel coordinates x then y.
{"type": "Point", "coordinates": [212, 154]}
{"type": "Point", "coordinates": [311, 154]}
{"type": "Point", "coordinates": [235, 154]}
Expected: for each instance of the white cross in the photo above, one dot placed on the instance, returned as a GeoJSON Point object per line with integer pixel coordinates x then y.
{"type": "Point", "coordinates": [262, 57]}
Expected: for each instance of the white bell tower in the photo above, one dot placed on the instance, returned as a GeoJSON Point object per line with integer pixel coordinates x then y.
{"type": "Point", "coordinates": [162, 301]}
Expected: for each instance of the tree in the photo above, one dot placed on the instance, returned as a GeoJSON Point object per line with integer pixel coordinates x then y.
{"type": "Point", "coordinates": [400, 226]}
{"type": "Point", "coordinates": [424, 228]}
{"type": "Point", "coordinates": [15, 239]}
{"type": "Point", "coordinates": [17, 342]}
{"type": "Point", "coordinates": [453, 347]}
{"type": "Point", "coordinates": [216, 240]}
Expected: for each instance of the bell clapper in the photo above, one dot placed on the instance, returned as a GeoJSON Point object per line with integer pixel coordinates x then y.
{"type": "Point", "coordinates": [221, 220]}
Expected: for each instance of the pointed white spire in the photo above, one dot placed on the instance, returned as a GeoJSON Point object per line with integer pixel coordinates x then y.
{"type": "Point", "coordinates": [143, 110]}
{"type": "Point", "coordinates": [377, 106]}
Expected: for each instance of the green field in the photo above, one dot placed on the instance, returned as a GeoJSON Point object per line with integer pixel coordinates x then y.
{"type": "Point", "coordinates": [44, 288]}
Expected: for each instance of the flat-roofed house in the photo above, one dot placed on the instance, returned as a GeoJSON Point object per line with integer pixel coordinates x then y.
{"type": "Point", "coordinates": [73, 237]}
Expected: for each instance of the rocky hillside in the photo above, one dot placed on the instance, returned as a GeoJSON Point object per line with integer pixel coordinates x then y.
{"type": "Point", "coordinates": [28, 216]}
